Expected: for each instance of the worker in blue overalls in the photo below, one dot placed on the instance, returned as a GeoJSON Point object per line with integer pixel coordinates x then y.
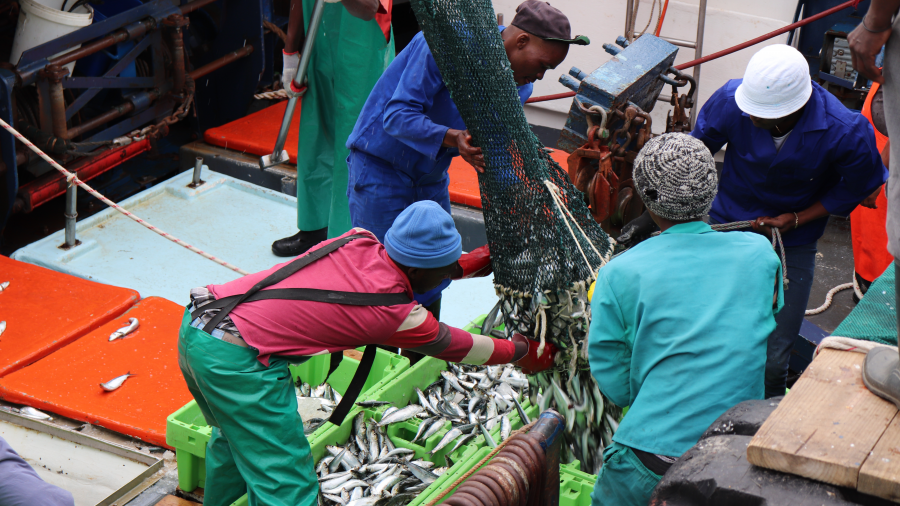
{"type": "Point", "coordinates": [410, 129]}
{"type": "Point", "coordinates": [795, 156]}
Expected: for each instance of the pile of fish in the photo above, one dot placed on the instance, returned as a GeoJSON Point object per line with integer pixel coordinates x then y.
{"type": "Point", "coordinates": [324, 394]}
{"type": "Point", "coordinates": [370, 471]}
{"type": "Point", "coordinates": [563, 318]}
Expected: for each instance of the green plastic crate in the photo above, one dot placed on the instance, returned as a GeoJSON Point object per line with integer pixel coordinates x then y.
{"type": "Point", "coordinates": [449, 477]}
{"type": "Point", "coordinates": [575, 487]}
{"type": "Point", "coordinates": [401, 391]}
{"type": "Point", "coordinates": [188, 432]}
{"type": "Point", "coordinates": [338, 435]}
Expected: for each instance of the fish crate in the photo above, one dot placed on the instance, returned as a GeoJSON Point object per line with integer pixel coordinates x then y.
{"type": "Point", "coordinates": [188, 432]}
{"type": "Point", "coordinates": [575, 487]}
{"type": "Point", "coordinates": [339, 435]}
{"type": "Point", "coordinates": [450, 477]}
{"type": "Point", "coordinates": [401, 391]}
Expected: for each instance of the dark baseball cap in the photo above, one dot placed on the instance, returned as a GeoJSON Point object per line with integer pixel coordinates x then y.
{"type": "Point", "coordinates": [546, 22]}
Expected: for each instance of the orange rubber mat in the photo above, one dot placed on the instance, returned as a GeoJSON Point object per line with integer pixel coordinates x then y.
{"type": "Point", "coordinates": [45, 310]}
{"type": "Point", "coordinates": [68, 381]}
{"type": "Point", "coordinates": [256, 134]}
{"type": "Point", "coordinates": [464, 180]}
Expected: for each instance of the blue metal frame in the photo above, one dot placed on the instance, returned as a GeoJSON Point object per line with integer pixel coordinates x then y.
{"type": "Point", "coordinates": [38, 57]}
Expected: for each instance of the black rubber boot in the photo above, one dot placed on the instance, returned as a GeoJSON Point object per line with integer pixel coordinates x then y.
{"type": "Point", "coordinates": [299, 243]}
{"type": "Point", "coordinates": [881, 374]}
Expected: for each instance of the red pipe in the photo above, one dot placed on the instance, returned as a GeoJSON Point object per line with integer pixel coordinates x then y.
{"type": "Point", "coordinates": [54, 184]}
{"type": "Point", "coordinates": [798, 24]}
{"type": "Point", "coordinates": [550, 97]}
{"type": "Point", "coordinates": [683, 66]}
{"type": "Point", "coordinates": [662, 17]}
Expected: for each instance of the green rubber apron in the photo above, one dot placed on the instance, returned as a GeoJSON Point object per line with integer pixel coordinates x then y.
{"type": "Point", "coordinates": [349, 55]}
{"type": "Point", "coordinates": [257, 445]}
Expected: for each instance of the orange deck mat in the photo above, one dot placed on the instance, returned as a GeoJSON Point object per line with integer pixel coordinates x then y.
{"type": "Point", "coordinates": [464, 180]}
{"type": "Point", "coordinates": [45, 310]}
{"type": "Point", "coordinates": [256, 134]}
{"type": "Point", "coordinates": [68, 381]}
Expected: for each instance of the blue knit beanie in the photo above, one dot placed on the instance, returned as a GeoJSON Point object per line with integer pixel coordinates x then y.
{"type": "Point", "coordinates": [423, 236]}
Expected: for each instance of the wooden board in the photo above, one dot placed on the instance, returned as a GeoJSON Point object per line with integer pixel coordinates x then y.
{"type": "Point", "coordinates": [827, 425]}
{"type": "Point", "coordinates": [880, 473]}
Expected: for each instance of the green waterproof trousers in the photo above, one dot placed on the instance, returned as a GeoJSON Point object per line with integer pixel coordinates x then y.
{"type": "Point", "coordinates": [257, 445]}
{"type": "Point", "coordinates": [623, 479]}
{"type": "Point", "coordinates": [348, 57]}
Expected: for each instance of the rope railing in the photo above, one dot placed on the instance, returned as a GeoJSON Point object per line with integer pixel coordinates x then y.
{"type": "Point", "coordinates": [73, 179]}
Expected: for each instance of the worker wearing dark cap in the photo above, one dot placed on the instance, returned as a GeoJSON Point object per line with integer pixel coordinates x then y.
{"type": "Point", "coordinates": [410, 129]}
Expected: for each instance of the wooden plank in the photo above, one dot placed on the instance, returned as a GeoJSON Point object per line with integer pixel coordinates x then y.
{"type": "Point", "coordinates": [355, 355]}
{"type": "Point", "coordinates": [880, 474]}
{"type": "Point", "coordinates": [826, 426]}
{"type": "Point", "coordinates": [171, 500]}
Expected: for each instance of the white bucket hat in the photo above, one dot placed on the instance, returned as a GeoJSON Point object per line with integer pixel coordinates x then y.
{"type": "Point", "coordinates": [776, 83]}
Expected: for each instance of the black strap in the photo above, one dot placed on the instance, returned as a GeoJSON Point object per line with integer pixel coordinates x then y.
{"type": "Point", "coordinates": [313, 295]}
{"type": "Point", "coordinates": [277, 277]}
{"type": "Point", "coordinates": [336, 359]}
{"type": "Point", "coordinates": [356, 384]}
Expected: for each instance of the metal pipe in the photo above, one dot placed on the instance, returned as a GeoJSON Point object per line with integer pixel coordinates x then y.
{"type": "Point", "coordinates": [192, 6]}
{"type": "Point", "coordinates": [175, 27]}
{"type": "Point", "coordinates": [629, 21]}
{"type": "Point", "coordinates": [71, 214]}
{"type": "Point", "coordinates": [698, 53]}
{"type": "Point", "coordinates": [121, 35]}
{"type": "Point", "coordinates": [198, 168]}
{"type": "Point", "coordinates": [278, 153]}
{"type": "Point", "coordinates": [114, 113]}
{"type": "Point", "coordinates": [54, 75]}
{"type": "Point", "coordinates": [680, 42]}
{"type": "Point", "coordinates": [221, 62]}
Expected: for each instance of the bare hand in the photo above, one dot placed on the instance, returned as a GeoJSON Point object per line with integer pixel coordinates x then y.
{"type": "Point", "coordinates": [784, 223]}
{"type": "Point", "coordinates": [864, 47]}
{"type": "Point", "coordinates": [470, 153]}
{"type": "Point", "coordinates": [870, 201]}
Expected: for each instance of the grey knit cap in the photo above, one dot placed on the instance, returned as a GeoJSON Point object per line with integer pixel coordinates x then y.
{"type": "Point", "coordinates": [675, 176]}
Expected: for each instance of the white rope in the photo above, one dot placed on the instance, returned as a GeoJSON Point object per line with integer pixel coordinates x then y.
{"type": "Point", "coordinates": [564, 211]}
{"type": "Point", "coordinates": [541, 318]}
{"type": "Point", "coordinates": [272, 95]}
{"type": "Point", "coordinates": [831, 293]}
{"type": "Point", "coordinates": [70, 177]}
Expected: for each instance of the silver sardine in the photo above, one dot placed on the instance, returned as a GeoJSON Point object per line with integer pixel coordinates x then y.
{"type": "Point", "coordinates": [116, 382]}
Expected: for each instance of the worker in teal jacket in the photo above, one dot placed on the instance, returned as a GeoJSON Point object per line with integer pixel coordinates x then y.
{"type": "Point", "coordinates": [680, 321]}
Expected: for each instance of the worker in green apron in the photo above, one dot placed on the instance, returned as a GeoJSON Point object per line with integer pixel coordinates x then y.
{"type": "Point", "coordinates": [237, 339]}
{"type": "Point", "coordinates": [353, 46]}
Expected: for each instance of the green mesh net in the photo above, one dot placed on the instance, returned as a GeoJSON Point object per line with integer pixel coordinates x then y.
{"type": "Point", "coordinates": [545, 246]}
{"type": "Point", "coordinates": [875, 317]}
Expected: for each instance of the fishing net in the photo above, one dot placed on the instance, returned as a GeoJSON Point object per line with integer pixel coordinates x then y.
{"type": "Point", "coordinates": [545, 246]}
{"type": "Point", "coordinates": [875, 317]}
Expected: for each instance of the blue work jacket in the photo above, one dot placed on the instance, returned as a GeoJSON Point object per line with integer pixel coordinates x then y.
{"type": "Point", "coordinates": [679, 327]}
{"type": "Point", "coordinates": [829, 156]}
{"type": "Point", "coordinates": [407, 115]}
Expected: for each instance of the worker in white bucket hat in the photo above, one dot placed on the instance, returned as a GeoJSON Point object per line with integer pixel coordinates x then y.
{"type": "Point", "coordinates": [795, 156]}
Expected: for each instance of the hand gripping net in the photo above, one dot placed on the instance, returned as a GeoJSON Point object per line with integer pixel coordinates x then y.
{"type": "Point", "coordinates": [545, 246]}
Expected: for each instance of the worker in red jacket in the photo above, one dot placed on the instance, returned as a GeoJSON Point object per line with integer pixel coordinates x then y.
{"type": "Point", "coordinates": [237, 339]}
{"type": "Point", "coordinates": [867, 222]}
